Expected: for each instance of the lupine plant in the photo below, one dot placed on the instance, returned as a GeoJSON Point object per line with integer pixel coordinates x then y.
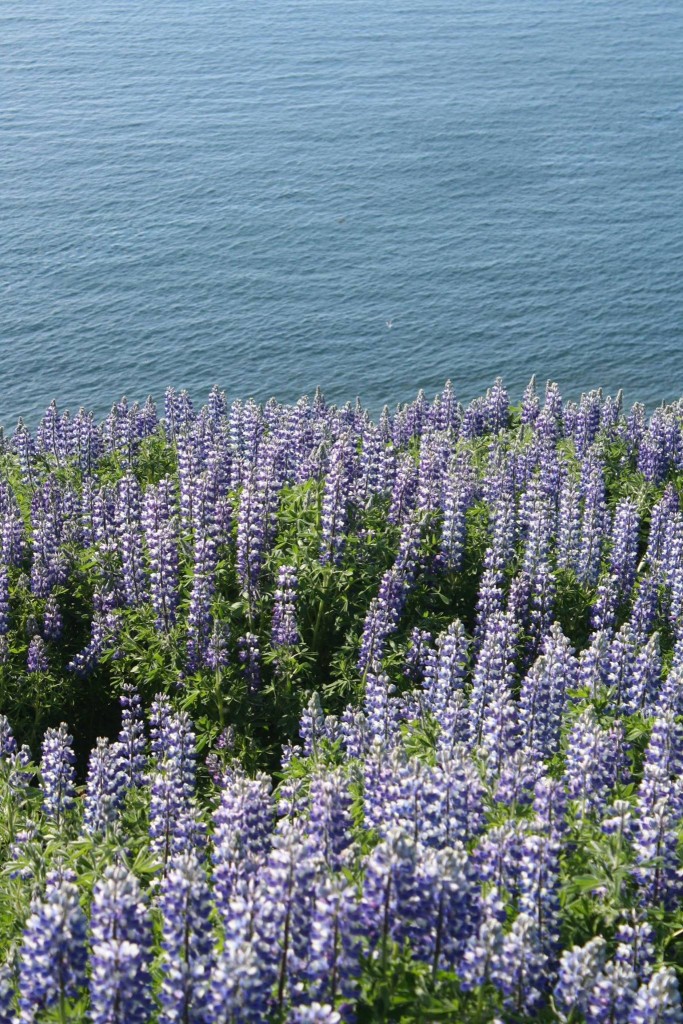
{"type": "Point", "coordinates": [307, 717]}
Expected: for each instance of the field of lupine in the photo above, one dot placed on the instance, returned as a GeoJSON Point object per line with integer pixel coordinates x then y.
{"type": "Point", "coordinates": [310, 718]}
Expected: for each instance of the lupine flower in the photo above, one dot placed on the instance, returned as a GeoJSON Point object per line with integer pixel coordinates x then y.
{"type": "Point", "coordinates": [659, 1001]}
{"type": "Point", "coordinates": [543, 693]}
{"type": "Point", "coordinates": [333, 968]}
{"type": "Point", "coordinates": [578, 971]}
{"type": "Point", "coordinates": [53, 956]}
{"type": "Point", "coordinates": [131, 744]}
{"type": "Point", "coordinates": [330, 821]}
{"type": "Point", "coordinates": [187, 945]}
{"type": "Point", "coordinates": [249, 654]}
{"type": "Point", "coordinates": [57, 773]}
{"type": "Point", "coordinates": [128, 525]}
{"type": "Point", "coordinates": [519, 968]}
{"type": "Point", "coordinates": [334, 510]}
{"type": "Point", "coordinates": [657, 871]}
{"type": "Point", "coordinates": [121, 950]}
{"type": "Point", "coordinates": [105, 788]}
{"type": "Point", "coordinates": [285, 632]}
{"type": "Point", "coordinates": [494, 667]}
{"type": "Point", "coordinates": [36, 660]}
{"type": "Point", "coordinates": [242, 834]}
{"type": "Point", "coordinates": [482, 951]}
{"type": "Point", "coordinates": [636, 947]}
{"type": "Point", "coordinates": [52, 619]}
{"type": "Point", "coordinates": [158, 513]}
{"type": "Point", "coordinates": [592, 762]}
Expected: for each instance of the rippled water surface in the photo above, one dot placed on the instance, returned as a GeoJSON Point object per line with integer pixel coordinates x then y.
{"type": "Point", "coordinates": [366, 195]}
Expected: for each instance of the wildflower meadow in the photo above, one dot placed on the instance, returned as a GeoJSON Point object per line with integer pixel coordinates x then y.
{"type": "Point", "coordinates": [310, 717]}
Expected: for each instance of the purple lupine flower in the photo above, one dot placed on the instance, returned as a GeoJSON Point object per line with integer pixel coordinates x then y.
{"type": "Point", "coordinates": [620, 661]}
{"type": "Point", "coordinates": [7, 987]}
{"type": "Point", "coordinates": [531, 405]}
{"type": "Point", "coordinates": [284, 911]}
{"type": "Point", "coordinates": [243, 824]}
{"type": "Point", "coordinates": [541, 605]}
{"type": "Point", "coordinates": [493, 671]}
{"type": "Point", "coordinates": [587, 421]}
{"type": "Point", "coordinates": [604, 609]}
{"type": "Point", "coordinates": [285, 632]}
{"type": "Point", "coordinates": [58, 773]}
{"type": "Point", "coordinates": [104, 789]}
{"type": "Point", "coordinates": [49, 567]}
{"type": "Point", "coordinates": [330, 821]}
{"type": "Point", "coordinates": [129, 532]}
{"type": "Point", "coordinates": [657, 871]}
{"type": "Point", "coordinates": [312, 725]}
{"type": "Point", "coordinates": [591, 762]}
{"type": "Point", "coordinates": [518, 773]}
{"type": "Point", "coordinates": [568, 526]}
{"type": "Point", "coordinates": [216, 656]}
{"type": "Point", "coordinates": [645, 607]}
{"type": "Point", "coordinates": [249, 654]}
{"type": "Point", "coordinates": [624, 555]}
{"type": "Point", "coordinates": [392, 904]}
{"type": "Point", "coordinates": [444, 876]}
{"type": "Point", "coordinates": [53, 957]}
{"type": "Point", "coordinates": [635, 946]}
{"type": "Point", "coordinates": [537, 521]}
{"type": "Point", "coordinates": [496, 861]}
{"type": "Point", "coordinates": [52, 619]}
{"type": "Point", "coordinates": [36, 658]}
{"type": "Point", "coordinates": [644, 684]}
{"type": "Point", "coordinates": [131, 745]}
{"type": "Point", "coordinates": [8, 744]}
{"type": "Point", "coordinates": [539, 884]}
{"type": "Point", "coordinates": [612, 994]}
{"type": "Point", "coordinates": [4, 614]}
{"type": "Point", "coordinates": [173, 824]}
{"type": "Point", "coordinates": [543, 693]}
{"type": "Point", "coordinates": [593, 520]}
{"type": "Point", "coordinates": [382, 708]}
{"type": "Point", "coordinates": [594, 665]}
{"type": "Point", "coordinates": [418, 655]}
{"type": "Point", "coordinates": [519, 969]}
{"type": "Point", "coordinates": [26, 450]}
{"type": "Point", "coordinates": [121, 950]}
{"type": "Point", "coordinates": [497, 407]}
{"type": "Point", "coordinates": [12, 532]}
{"type": "Point", "coordinates": [658, 1001]}
{"type": "Point", "coordinates": [87, 442]}
{"type": "Point", "coordinates": [333, 516]}
{"type": "Point", "coordinates": [482, 950]}
{"type": "Point", "coordinates": [445, 674]}
{"type": "Point", "coordinates": [333, 968]}
{"type": "Point", "coordinates": [158, 523]}
{"type": "Point", "coordinates": [251, 535]}
{"type": "Point", "coordinates": [240, 987]}
{"type": "Point", "coordinates": [550, 805]}
{"type": "Point", "coordinates": [490, 600]}
{"type": "Point", "coordinates": [187, 944]}
{"type": "Point", "coordinates": [404, 492]}
{"type": "Point", "coordinates": [663, 761]}
{"type": "Point", "coordinates": [500, 731]}
{"type": "Point", "coordinates": [579, 969]}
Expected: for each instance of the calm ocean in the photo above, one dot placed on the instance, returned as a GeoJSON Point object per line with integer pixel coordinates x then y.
{"type": "Point", "coordinates": [368, 195]}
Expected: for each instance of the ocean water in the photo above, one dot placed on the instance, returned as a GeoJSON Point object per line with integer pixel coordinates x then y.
{"type": "Point", "coordinates": [366, 195]}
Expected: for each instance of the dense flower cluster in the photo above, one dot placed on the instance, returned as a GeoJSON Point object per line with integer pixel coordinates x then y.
{"type": "Point", "coordinates": [385, 718]}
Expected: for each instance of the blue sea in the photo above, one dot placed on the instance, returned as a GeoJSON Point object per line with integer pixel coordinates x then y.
{"type": "Point", "coordinates": [365, 195]}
